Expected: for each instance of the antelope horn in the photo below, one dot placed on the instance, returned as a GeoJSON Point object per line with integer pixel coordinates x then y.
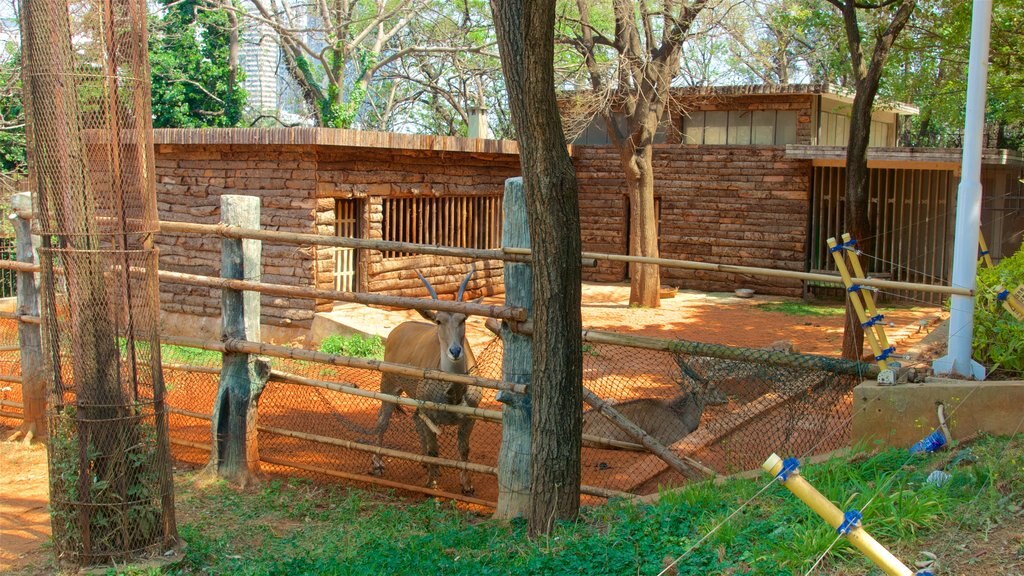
{"type": "Point", "coordinates": [465, 281]}
{"type": "Point", "coordinates": [433, 293]}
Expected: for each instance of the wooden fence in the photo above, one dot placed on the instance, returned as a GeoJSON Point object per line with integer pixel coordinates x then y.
{"type": "Point", "coordinates": [511, 384]}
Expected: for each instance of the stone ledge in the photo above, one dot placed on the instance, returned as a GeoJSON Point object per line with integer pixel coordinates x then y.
{"type": "Point", "coordinates": [901, 415]}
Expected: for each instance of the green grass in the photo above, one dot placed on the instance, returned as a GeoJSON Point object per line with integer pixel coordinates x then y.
{"type": "Point", "coordinates": [296, 527]}
{"type": "Point", "coordinates": [184, 355]}
{"type": "Point", "coordinates": [802, 308]}
{"type": "Point", "coordinates": [353, 345]}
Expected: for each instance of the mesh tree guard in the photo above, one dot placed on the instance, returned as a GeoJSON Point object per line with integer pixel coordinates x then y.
{"type": "Point", "coordinates": [86, 78]}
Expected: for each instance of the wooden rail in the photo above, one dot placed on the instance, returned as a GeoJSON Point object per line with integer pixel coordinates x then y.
{"type": "Point", "coordinates": [275, 351]}
{"type": "Point", "coordinates": [770, 272]}
{"type": "Point", "coordinates": [400, 454]}
{"type": "Point", "coordinates": [469, 308]}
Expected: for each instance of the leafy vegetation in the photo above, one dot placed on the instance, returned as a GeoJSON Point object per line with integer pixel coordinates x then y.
{"type": "Point", "coordinates": [802, 308]}
{"type": "Point", "coordinates": [194, 83]}
{"type": "Point", "coordinates": [354, 345]}
{"type": "Point", "coordinates": [998, 336]}
{"type": "Point", "coordinates": [296, 527]}
{"type": "Point", "coordinates": [122, 503]}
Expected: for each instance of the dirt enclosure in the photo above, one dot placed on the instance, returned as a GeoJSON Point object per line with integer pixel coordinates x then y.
{"type": "Point", "coordinates": [793, 412]}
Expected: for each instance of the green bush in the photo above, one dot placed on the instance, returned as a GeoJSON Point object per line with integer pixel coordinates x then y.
{"type": "Point", "coordinates": [354, 345]}
{"type": "Point", "coordinates": [998, 336]}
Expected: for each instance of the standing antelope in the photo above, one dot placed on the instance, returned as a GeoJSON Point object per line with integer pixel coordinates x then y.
{"type": "Point", "coordinates": [439, 345]}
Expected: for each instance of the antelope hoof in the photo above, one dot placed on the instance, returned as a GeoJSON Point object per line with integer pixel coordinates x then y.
{"type": "Point", "coordinates": [432, 483]}
{"type": "Point", "coordinates": [468, 490]}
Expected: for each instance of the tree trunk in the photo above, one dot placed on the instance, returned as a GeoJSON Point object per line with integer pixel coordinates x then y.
{"type": "Point", "coordinates": [33, 377]}
{"type": "Point", "coordinates": [645, 281]}
{"type": "Point", "coordinates": [858, 224]}
{"type": "Point", "coordinates": [235, 452]}
{"type": "Point", "coordinates": [525, 30]}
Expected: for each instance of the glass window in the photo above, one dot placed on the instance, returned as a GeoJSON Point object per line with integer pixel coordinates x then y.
{"type": "Point", "coordinates": [693, 128]}
{"type": "Point", "coordinates": [763, 127]}
{"type": "Point", "coordinates": [715, 124]}
{"type": "Point", "coordinates": [739, 127]}
{"type": "Point", "coordinates": [785, 127]}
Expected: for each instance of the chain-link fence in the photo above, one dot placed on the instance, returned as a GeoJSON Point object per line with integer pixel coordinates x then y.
{"type": "Point", "coordinates": [726, 413]}
{"type": "Point", "coordinates": [89, 135]}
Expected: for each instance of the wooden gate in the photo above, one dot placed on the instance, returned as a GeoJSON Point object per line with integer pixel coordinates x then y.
{"type": "Point", "coordinates": [346, 218]}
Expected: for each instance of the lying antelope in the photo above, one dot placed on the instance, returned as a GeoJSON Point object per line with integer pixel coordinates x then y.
{"type": "Point", "coordinates": [439, 345]}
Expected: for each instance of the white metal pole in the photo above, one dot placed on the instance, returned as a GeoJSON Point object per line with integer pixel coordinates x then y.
{"type": "Point", "coordinates": [968, 204]}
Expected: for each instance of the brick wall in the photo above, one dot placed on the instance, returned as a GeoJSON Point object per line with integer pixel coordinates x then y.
{"type": "Point", "coordinates": [726, 204]}
{"type": "Point", "coordinates": [190, 180]}
{"type": "Point", "coordinates": [371, 175]}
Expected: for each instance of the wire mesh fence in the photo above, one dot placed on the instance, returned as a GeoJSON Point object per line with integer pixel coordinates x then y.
{"type": "Point", "coordinates": [725, 413]}
{"type": "Point", "coordinates": [89, 136]}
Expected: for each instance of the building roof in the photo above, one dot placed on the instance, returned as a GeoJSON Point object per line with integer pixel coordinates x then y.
{"type": "Point", "coordinates": [330, 137]}
{"type": "Point", "coordinates": [945, 158]}
{"type": "Point", "coordinates": [838, 92]}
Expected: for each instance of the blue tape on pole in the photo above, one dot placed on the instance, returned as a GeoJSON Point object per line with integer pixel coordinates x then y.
{"type": "Point", "coordinates": [886, 353]}
{"type": "Point", "coordinates": [1002, 296]}
{"type": "Point", "coordinates": [923, 573]}
{"type": "Point", "coordinates": [789, 467]}
{"type": "Point", "coordinates": [843, 246]}
{"type": "Point", "coordinates": [874, 320]}
{"type": "Point", "coordinates": [851, 519]}
{"type": "Point", "coordinates": [982, 253]}
{"type": "Point", "coordinates": [854, 288]}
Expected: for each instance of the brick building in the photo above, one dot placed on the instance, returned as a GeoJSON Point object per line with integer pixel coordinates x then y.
{"type": "Point", "coordinates": [731, 198]}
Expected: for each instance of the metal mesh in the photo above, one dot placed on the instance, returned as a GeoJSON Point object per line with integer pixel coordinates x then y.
{"type": "Point", "coordinates": [90, 142]}
{"type": "Point", "coordinates": [748, 408]}
{"type": "Point", "coordinates": [89, 136]}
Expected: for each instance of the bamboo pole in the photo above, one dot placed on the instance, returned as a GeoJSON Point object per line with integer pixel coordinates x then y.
{"type": "Point", "coordinates": [26, 318]}
{"type": "Point", "coordinates": [855, 300]}
{"type": "Point", "coordinates": [280, 237]}
{"type": "Point", "coordinates": [684, 465]}
{"type": "Point", "coordinates": [589, 259]}
{"type": "Point", "coordinates": [828, 511]}
{"type": "Point", "coordinates": [985, 256]}
{"type": "Point", "coordinates": [869, 300]}
{"type": "Point", "coordinates": [352, 389]}
{"type": "Point", "coordinates": [324, 358]}
{"type": "Point", "coordinates": [15, 415]}
{"type": "Point", "coordinates": [478, 413]}
{"type": "Point", "coordinates": [468, 308]}
{"type": "Point", "coordinates": [469, 466]}
{"type": "Point", "coordinates": [720, 351]}
{"type": "Point", "coordinates": [756, 271]}
{"type": "Point", "coordinates": [11, 404]}
{"type": "Point", "coordinates": [10, 378]}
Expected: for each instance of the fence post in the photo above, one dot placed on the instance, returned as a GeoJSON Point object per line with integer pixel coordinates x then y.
{"type": "Point", "coordinates": [517, 364]}
{"type": "Point", "coordinates": [33, 379]}
{"type": "Point", "coordinates": [235, 451]}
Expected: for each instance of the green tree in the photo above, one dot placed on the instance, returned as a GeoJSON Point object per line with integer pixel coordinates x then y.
{"type": "Point", "coordinates": [12, 113]}
{"type": "Point", "coordinates": [193, 55]}
{"type": "Point", "coordinates": [928, 68]}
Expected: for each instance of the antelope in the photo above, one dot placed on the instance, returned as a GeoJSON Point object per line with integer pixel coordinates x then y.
{"type": "Point", "coordinates": [441, 345]}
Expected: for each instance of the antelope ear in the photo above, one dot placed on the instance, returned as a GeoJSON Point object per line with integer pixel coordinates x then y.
{"type": "Point", "coordinates": [428, 314]}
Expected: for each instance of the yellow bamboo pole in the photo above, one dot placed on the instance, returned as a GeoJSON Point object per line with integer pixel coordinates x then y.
{"type": "Point", "coordinates": [985, 257]}
{"type": "Point", "coordinates": [856, 301]}
{"type": "Point", "coordinates": [869, 300]}
{"type": "Point", "coordinates": [829, 512]}
{"type": "Point", "coordinates": [1013, 302]}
